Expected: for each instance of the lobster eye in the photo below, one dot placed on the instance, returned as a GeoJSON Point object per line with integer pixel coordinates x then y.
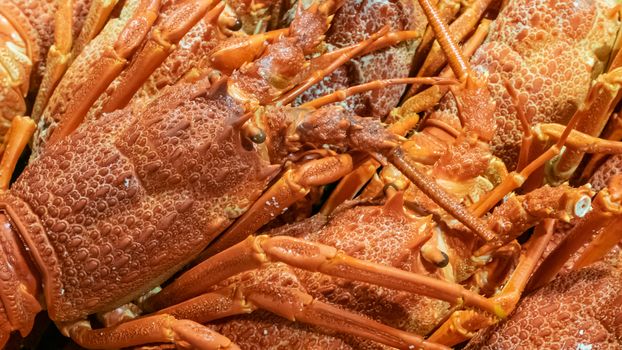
{"type": "Point", "coordinates": [237, 25]}
{"type": "Point", "coordinates": [444, 262]}
{"type": "Point", "coordinates": [254, 133]}
{"type": "Point", "coordinates": [259, 137]}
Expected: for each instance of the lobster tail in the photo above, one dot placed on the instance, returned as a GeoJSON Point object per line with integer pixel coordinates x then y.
{"type": "Point", "coordinates": [19, 286]}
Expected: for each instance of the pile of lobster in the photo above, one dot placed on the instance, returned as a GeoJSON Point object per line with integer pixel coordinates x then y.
{"type": "Point", "coordinates": [324, 174]}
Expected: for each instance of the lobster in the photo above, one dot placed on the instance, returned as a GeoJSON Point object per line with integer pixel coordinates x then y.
{"type": "Point", "coordinates": [461, 161]}
{"type": "Point", "coordinates": [86, 243]}
{"type": "Point", "coordinates": [274, 132]}
{"type": "Point", "coordinates": [586, 289]}
{"type": "Point", "coordinates": [522, 210]}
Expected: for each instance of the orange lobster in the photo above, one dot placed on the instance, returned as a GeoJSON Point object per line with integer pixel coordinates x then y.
{"type": "Point", "coordinates": [144, 177]}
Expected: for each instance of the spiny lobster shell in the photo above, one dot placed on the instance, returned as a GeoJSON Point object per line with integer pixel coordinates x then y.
{"type": "Point", "coordinates": [549, 51]}
{"type": "Point", "coordinates": [578, 310]}
{"type": "Point", "coordinates": [129, 195]}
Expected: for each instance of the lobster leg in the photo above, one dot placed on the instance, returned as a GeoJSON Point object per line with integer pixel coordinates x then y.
{"type": "Point", "coordinates": [605, 96]}
{"type": "Point", "coordinates": [448, 10]}
{"type": "Point", "coordinates": [59, 55]}
{"type": "Point", "coordinates": [94, 76]}
{"type": "Point", "coordinates": [295, 304]}
{"type": "Point", "coordinates": [431, 189]}
{"type": "Point", "coordinates": [98, 15]}
{"type": "Point", "coordinates": [160, 43]}
{"type": "Point", "coordinates": [601, 221]}
{"type": "Point", "coordinates": [578, 141]}
{"type": "Point", "coordinates": [612, 133]}
{"type": "Point", "coordinates": [254, 252]}
{"type": "Point", "coordinates": [18, 56]}
{"type": "Point", "coordinates": [293, 186]}
{"type": "Point", "coordinates": [601, 244]}
{"type": "Point", "coordinates": [320, 74]}
{"type": "Point", "coordinates": [516, 179]}
{"type": "Point", "coordinates": [528, 136]}
{"type": "Point", "coordinates": [385, 41]}
{"type": "Point", "coordinates": [16, 140]}
{"type": "Point", "coordinates": [463, 324]}
{"type": "Point", "coordinates": [231, 56]}
{"type": "Point", "coordinates": [342, 94]}
{"type": "Point", "coordinates": [146, 330]}
{"type": "Point", "coordinates": [518, 213]}
{"type": "Point", "coordinates": [457, 61]}
{"type": "Point", "coordinates": [564, 135]}
{"type": "Point", "coordinates": [351, 184]}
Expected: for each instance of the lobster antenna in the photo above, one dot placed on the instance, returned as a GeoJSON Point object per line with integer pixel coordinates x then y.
{"type": "Point", "coordinates": [342, 94]}
{"type": "Point", "coordinates": [454, 55]}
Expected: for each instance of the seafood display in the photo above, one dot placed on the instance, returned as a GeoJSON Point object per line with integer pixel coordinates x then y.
{"type": "Point", "coordinates": [313, 174]}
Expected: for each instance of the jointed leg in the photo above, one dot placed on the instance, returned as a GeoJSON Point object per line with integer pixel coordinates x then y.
{"type": "Point", "coordinates": [516, 178]}
{"type": "Point", "coordinates": [99, 73]}
{"type": "Point", "coordinates": [463, 324]}
{"type": "Point", "coordinates": [448, 10]}
{"type": "Point", "coordinates": [428, 98]}
{"type": "Point", "coordinates": [254, 252]}
{"type": "Point", "coordinates": [150, 329]}
{"type": "Point", "coordinates": [578, 141]}
{"type": "Point", "coordinates": [342, 94]}
{"type": "Point", "coordinates": [59, 55]}
{"type": "Point", "coordinates": [456, 60]}
{"type": "Point", "coordinates": [98, 15]}
{"type": "Point", "coordinates": [430, 188]}
{"type": "Point", "coordinates": [456, 31]}
{"type": "Point", "coordinates": [607, 238]}
{"type": "Point", "coordinates": [600, 222]}
{"type": "Point", "coordinates": [16, 140]}
{"type": "Point", "coordinates": [389, 39]}
{"type": "Point", "coordinates": [605, 95]}
{"type": "Point", "coordinates": [320, 74]}
{"type": "Point", "coordinates": [612, 133]}
{"type": "Point", "coordinates": [350, 185]}
{"type": "Point", "coordinates": [527, 140]}
{"type": "Point", "coordinates": [293, 186]}
{"type": "Point", "coordinates": [294, 304]}
{"type": "Point", "coordinates": [160, 44]}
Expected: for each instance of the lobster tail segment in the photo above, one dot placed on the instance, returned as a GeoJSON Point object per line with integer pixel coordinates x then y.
{"type": "Point", "coordinates": [19, 282]}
